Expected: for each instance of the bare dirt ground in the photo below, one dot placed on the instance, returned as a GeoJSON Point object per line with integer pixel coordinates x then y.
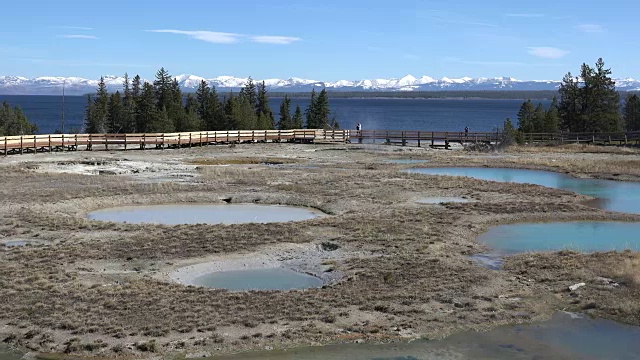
{"type": "Point", "coordinates": [396, 269]}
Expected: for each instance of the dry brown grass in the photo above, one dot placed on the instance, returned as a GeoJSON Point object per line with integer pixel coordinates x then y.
{"type": "Point", "coordinates": [629, 270]}
{"type": "Point", "coordinates": [242, 161]}
{"type": "Point", "coordinates": [574, 148]}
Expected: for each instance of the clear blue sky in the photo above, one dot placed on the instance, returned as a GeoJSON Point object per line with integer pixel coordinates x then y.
{"type": "Point", "coordinates": [320, 39]}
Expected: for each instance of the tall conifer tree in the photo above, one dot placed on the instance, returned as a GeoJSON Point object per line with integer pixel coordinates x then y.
{"type": "Point", "coordinates": [632, 113]}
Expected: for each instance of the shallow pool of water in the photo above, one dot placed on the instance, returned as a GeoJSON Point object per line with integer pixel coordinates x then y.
{"type": "Point", "coordinates": [565, 336]}
{"type": "Point", "coordinates": [8, 354]}
{"type": "Point", "coordinates": [22, 242]}
{"type": "Point", "coordinates": [587, 236]}
{"type": "Point", "coordinates": [443, 199]}
{"type": "Point", "coordinates": [258, 279]}
{"type": "Point", "coordinates": [613, 195]}
{"type": "Point", "coordinates": [204, 214]}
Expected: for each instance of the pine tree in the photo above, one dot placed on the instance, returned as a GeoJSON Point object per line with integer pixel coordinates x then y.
{"type": "Point", "coordinates": [97, 120]}
{"type": "Point", "coordinates": [570, 106]}
{"type": "Point", "coordinates": [509, 133]}
{"type": "Point", "coordinates": [323, 112]}
{"type": "Point", "coordinates": [116, 114]}
{"type": "Point", "coordinates": [14, 122]}
{"type": "Point", "coordinates": [632, 113]}
{"type": "Point", "coordinates": [239, 113]}
{"type": "Point", "coordinates": [525, 117]}
{"type": "Point", "coordinates": [266, 120]}
{"type": "Point", "coordinates": [232, 121]}
{"type": "Point", "coordinates": [311, 112]}
{"type": "Point", "coordinates": [298, 119]}
{"type": "Point", "coordinates": [136, 96]}
{"type": "Point", "coordinates": [192, 120]}
{"type": "Point", "coordinates": [216, 118]}
{"type": "Point", "coordinates": [174, 108]}
{"type": "Point", "coordinates": [592, 107]}
{"type": "Point", "coordinates": [202, 97]}
{"type": "Point", "coordinates": [88, 113]}
{"type": "Point", "coordinates": [161, 122]}
{"type": "Point", "coordinates": [162, 89]}
{"type": "Point", "coordinates": [285, 122]}
{"type": "Point", "coordinates": [552, 118]}
{"type": "Point", "coordinates": [606, 106]}
{"type": "Point", "coordinates": [245, 114]}
{"type": "Point", "coordinates": [538, 118]}
{"type": "Point", "coordinates": [129, 106]}
{"type": "Point", "coordinates": [249, 93]}
{"type": "Point", "coordinates": [146, 110]}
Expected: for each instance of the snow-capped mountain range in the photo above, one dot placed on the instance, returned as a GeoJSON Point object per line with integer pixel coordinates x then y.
{"type": "Point", "coordinates": [16, 85]}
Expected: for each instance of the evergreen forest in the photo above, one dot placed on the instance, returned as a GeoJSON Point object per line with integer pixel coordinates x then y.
{"type": "Point", "coordinates": [588, 103]}
{"type": "Point", "coordinates": [161, 107]}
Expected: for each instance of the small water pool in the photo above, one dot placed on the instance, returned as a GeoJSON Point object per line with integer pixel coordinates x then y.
{"type": "Point", "coordinates": [22, 242]}
{"type": "Point", "coordinates": [565, 336]}
{"type": "Point", "coordinates": [258, 279]}
{"type": "Point", "coordinates": [204, 214]}
{"type": "Point", "coordinates": [583, 236]}
{"type": "Point", "coordinates": [8, 354]}
{"type": "Point", "coordinates": [613, 195]}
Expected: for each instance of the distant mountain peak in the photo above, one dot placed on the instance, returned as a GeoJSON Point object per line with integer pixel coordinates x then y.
{"type": "Point", "coordinates": [52, 85]}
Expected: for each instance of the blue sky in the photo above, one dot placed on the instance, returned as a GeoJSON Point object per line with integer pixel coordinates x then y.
{"type": "Point", "coordinates": [323, 40]}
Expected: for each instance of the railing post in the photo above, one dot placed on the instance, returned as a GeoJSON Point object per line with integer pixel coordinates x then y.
{"type": "Point", "coordinates": [125, 141]}
{"type": "Point", "coordinates": [418, 138]}
{"type": "Point", "coordinates": [21, 147]}
{"type": "Point", "coordinates": [106, 141]}
{"type": "Point", "coordinates": [5, 146]}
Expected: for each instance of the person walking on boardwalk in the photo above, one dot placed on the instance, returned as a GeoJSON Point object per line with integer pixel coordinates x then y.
{"type": "Point", "coordinates": [466, 132]}
{"type": "Point", "coordinates": [358, 132]}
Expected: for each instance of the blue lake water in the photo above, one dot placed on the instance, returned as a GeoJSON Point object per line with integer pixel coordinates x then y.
{"type": "Point", "coordinates": [204, 214]}
{"type": "Point", "coordinates": [258, 279]}
{"type": "Point", "coordinates": [613, 195]}
{"type": "Point", "coordinates": [373, 114]}
{"type": "Point", "coordinates": [565, 336]}
{"type": "Point", "coordinates": [585, 236]}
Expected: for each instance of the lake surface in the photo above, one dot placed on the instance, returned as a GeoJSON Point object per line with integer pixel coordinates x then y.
{"type": "Point", "coordinates": [204, 214]}
{"type": "Point", "coordinates": [373, 114]}
{"type": "Point", "coordinates": [579, 236]}
{"type": "Point", "coordinates": [565, 336]}
{"type": "Point", "coordinates": [258, 279]}
{"type": "Point", "coordinates": [613, 195]}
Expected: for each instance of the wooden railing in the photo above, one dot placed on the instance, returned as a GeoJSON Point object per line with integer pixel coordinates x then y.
{"type": "Point", "coordinates": [57, 142]}
{"type": "Point", "coordinates": [622, 138]}
{"type": "Point", "coordinates": [52, 142]}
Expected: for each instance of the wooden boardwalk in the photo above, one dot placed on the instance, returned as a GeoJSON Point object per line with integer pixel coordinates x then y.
{"type": "Point", "coordinates": [68, 142]}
